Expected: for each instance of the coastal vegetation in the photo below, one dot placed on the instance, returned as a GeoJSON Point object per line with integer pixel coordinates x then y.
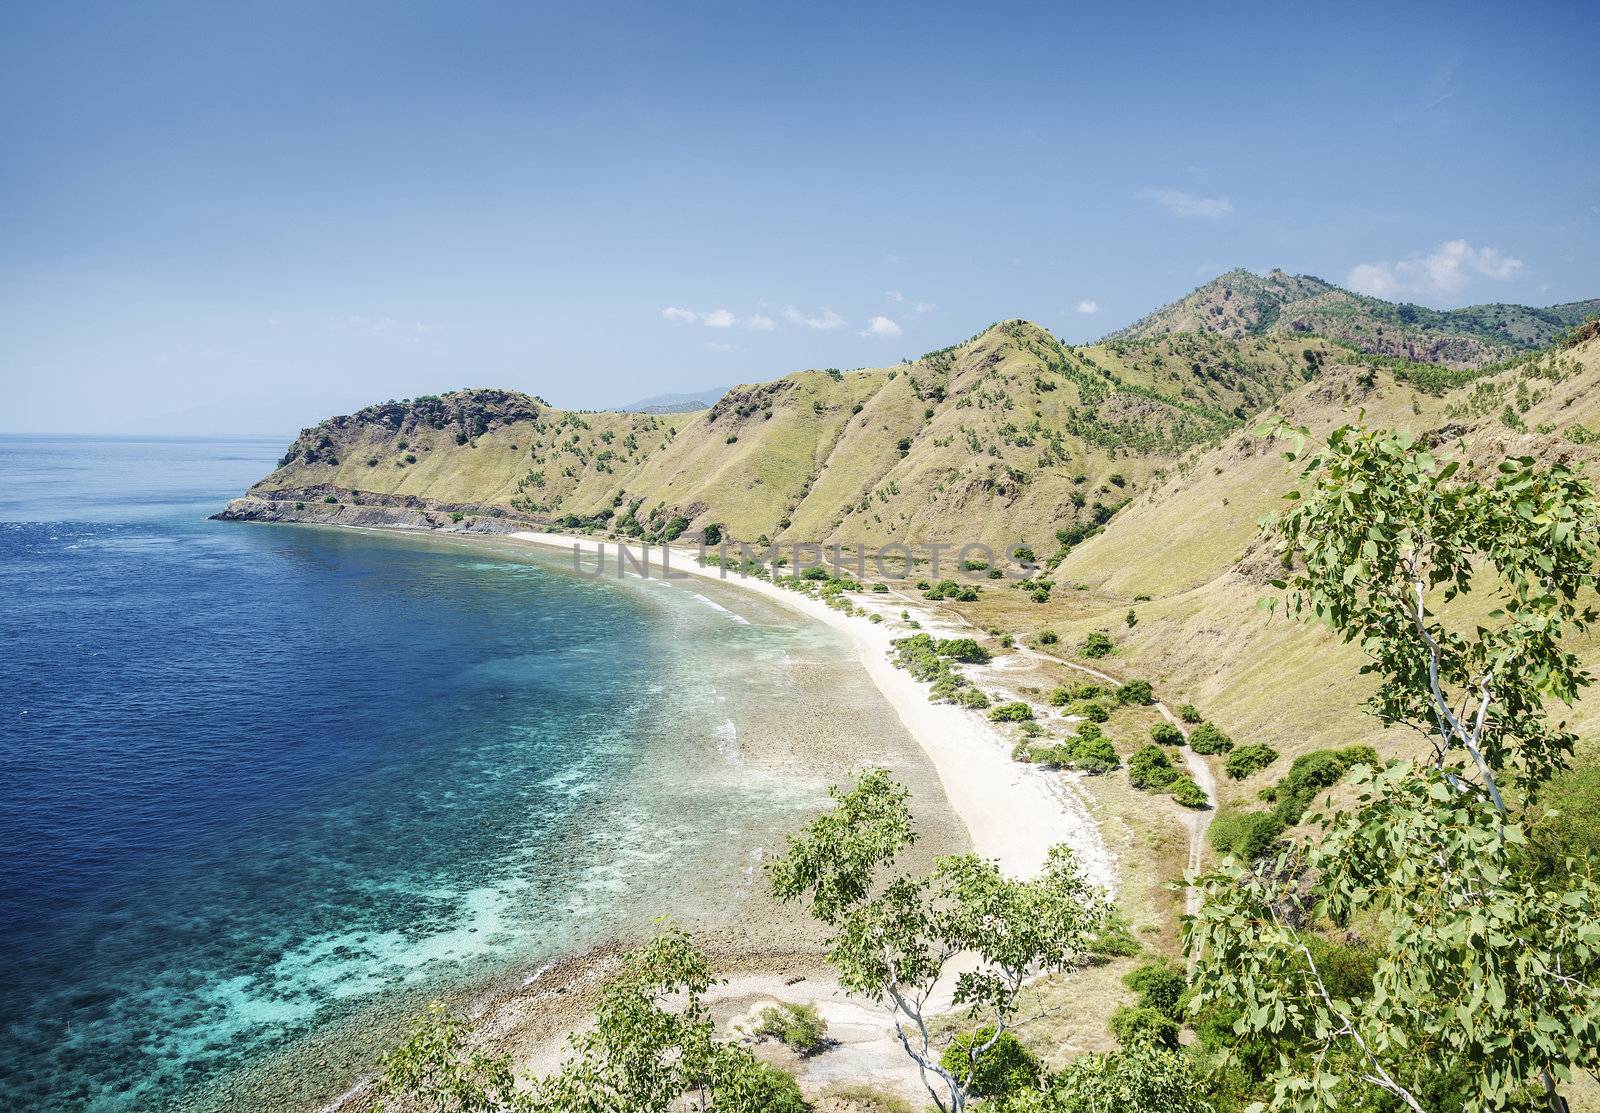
{"type": "Point", "coordinates": [1474, 985]}
{"type": "Point", "coordinates": [1378, 919]}
{"type": "Point", "coordinates": [651, 1043]}
{"type": "Point", "coordinates": [893, 936]}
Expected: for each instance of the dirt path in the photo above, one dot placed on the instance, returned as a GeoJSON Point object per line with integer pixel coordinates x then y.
{"type": "Point", "coordinates": [1196, 821]}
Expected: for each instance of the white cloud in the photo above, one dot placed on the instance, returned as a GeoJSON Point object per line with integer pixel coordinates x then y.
{"type": "Point", "coordinates": [1441, 273]}
{"type": "Point", "coordinates": [761, 323]}
{"type": "Point", "coordinates": [1087, 306]}
{"type": "Point", "coordinates": [881, 326]}
{"type": "Point", "coordinates": [1441, 85]}
{"type": "Point", "coordinates": [409, 332]}
{"type": "Point", "coordinates": [894, 295]}
{"type": "Point", "coordinates": [1189, 205]}
{"type": "Point", "coordinates": [719, 346]}
{"type": "Point", "coordinates": [825, 320]}
{"type": "Point", "coordinates": [677, 313]}
{"type": "Point", "coordinates": [720, 318]}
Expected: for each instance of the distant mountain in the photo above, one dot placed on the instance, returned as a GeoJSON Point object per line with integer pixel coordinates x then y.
{"type": "Point", "coordinates": [676, 403]}
{"type": "Point", "coordinates": [1239, 304]}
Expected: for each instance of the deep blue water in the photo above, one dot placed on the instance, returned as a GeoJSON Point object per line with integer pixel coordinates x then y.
{"type": "Point", "coordinates": [257, 780]}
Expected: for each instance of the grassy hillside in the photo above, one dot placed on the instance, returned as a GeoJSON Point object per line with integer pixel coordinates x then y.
{"type": "Point", "coordinates": [1241, 304]}
{"type": "Point", "coordinates": [1138, 463]}
{"type": "Point", "coordinates": [1186, 558]}
{"type": "Point", "coordinates": [1010, 435]}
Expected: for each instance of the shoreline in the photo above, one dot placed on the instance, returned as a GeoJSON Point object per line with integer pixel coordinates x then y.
{"type": "Point", "coordinates": [1012, 812]}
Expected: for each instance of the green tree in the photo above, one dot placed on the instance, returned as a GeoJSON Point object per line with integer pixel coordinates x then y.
{"type": "Point", "coordinates": [1136, 692]}
{"type": "Point", "coordinates": [652, 1043]}
{"type": "Point", "coordinates": [892, 935]}
{"type": "Point", "coordinates": [1143, 1077]}
{"type": "Point", "coordinates": [434, 1071]}
{"type": "Point", "coordinates": [1483, 984]}
{"type": "Point", "coordinates": [1248, 760]}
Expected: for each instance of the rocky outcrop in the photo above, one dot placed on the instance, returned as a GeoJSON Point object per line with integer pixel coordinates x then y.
{"type": "Point", "coordinates": [335, 506]}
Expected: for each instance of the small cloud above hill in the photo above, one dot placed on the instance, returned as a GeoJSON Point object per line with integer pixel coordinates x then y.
{"type": "Point", "coordinates": [1441, 273]}
{"type": "Point", "coordinates": [1190, 206]}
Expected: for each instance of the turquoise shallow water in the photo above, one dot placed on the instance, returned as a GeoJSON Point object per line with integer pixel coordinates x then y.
{"type": "Point", "coordinates": [262, 783]}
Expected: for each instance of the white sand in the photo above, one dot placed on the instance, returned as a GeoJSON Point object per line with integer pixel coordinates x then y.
{"type": "Point", "coordinates": [1014, 812]}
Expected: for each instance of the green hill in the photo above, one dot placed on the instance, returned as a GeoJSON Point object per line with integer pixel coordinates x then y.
{"type": "Point", "coordinates": [1240, 304]}
{"type": "Point", "coordinates": [1009, 435]}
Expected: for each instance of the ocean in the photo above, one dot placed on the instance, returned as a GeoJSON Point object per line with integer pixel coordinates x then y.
{"type": "Point", "coordinates": [266, 790]}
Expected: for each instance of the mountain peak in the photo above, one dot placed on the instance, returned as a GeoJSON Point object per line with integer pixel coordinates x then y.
{"type": "Point", "coordinates": [1241, 303]}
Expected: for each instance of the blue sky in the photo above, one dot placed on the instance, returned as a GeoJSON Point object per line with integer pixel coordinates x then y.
{"type": "Point", "coordinates": [243, 218]}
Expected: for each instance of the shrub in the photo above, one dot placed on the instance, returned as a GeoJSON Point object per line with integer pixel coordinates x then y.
{"type": "Point", "coordinates": [1135, 692]}
{"type": "Point", "coordinates": [1130, 620]}
{"type": "Point", "coordinates": [1007, 641]}
{"type": "Point", "coordinates": [874, 618]}
{"type": "Point", "coordinates": [1569, 829]}
{"type": "Point", "coordinates": [1140, 1024]}
{"type": "Point", "coordinates": [1166, 734]}
{"type": "Point", "coordinates": [1092, 755]}
{"type": "Point", "coordinates": [1189, 713]}
{"type": "Point", "coordinates": [456, 516]}
{"type": "Point", "coordinates": [1048, 637]}
{"type": "Point", "coordinates": [1248, 760]}
{"type": "Point", "coordinates": [971, 697]}
{"type": "Point", "coordinates": [1096, 645]}
{"type": "Point", "coordinates": [1005, 1068]}
{"type": "Point", "coordinates": [1318, 769]}
{"type": "Point", "coordinates": [798, 1027]}
{"type": "Point", "coordinates": [881, 589]}
{"type": "Point", "coordinates": [1159, 986]}
{"type": "Point", "coordinates": [1013, 712]}
{"type": "Point", "coordinates": [1186, 792]}
{"type": "Point", "coordinates": [963, 649]}
{"type": "Point", "coordinates": [329, 499]}
{"type": "Point", "coordinates": [1091, 709]}
{"type": "Point", "coordinates": [765, 1087]}
{"type": "Point", "coordinates": [1207, 739]}
{"type": "Point", "coordinates": [1149, 767]}
{"type": "Point", "coordinates": [1060, 697]}
{"type": "Point", "coordinates": [1245, 835]}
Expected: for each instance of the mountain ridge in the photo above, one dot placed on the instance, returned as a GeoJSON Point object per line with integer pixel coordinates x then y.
{"type": "Point", "coordinates": [1008, 435]}
{"type": "Point", "coordinates": [1011, 429]}
{"type": "Point", "coordinates": [1240, 303]}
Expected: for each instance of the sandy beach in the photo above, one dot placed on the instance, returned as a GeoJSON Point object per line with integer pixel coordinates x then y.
{"type": "Point", "coordinates": [1013, 811]}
